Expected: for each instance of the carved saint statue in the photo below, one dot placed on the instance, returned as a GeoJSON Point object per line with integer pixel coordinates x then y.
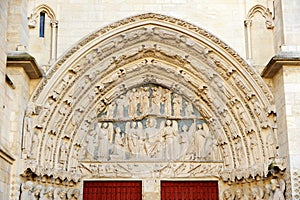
{"type": "Point", "coordinates": [26, 191]}
{"type": "Point", "coordinates": [156, 99]}
{"type": "Point", "coordinates": [145, 100]}
{"type": "Point", "coordinates": [105, 133]}
{"type": "Point", "coordinates": [73, 194]}
{"type": "Point", "coordinates": [60, 194]}
{"type": "Point", "coordinates": [153, 145]}
{"type": "Point", "coordinates": [119, 143]}
{"type": "Point", "coordinates": [29, 129]}
{"type": "Point", "coordinates": [133, 98]}
{"type": "Point", "coordinates": [177, 105]}
{"type": "Point", "coordinates": [73, 161]}
{"type": "Point", "coordinates": [63, 153]}
{"type": "Point", "coordinates": [240, 195]}
{"type": "Point", "coordinates": [188, 110]}
{"type": "Point", "coordinates": [278, 189]}
{"type": "Point", "coordinates": [133, 131]}
{"type": "Point", "coordinates": [34, 143]}
{"type": "Point", "coordinates": [90, 144]}
{"type": "Point", "coordinates": [49, 149]}
{"type": "Point", "coordinates": [167, 102]}
{"type": "Point", "coordinates": [47, 193]}
{"type": "Point", "coordinates": [271, 145]}
{"type": "Point", "coordinates": [227, 195]}
{"type": "Point", "coordinates": [36, 192]}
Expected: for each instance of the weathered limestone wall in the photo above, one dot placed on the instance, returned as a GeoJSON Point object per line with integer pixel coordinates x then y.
{"type": "Point", "coordinates": [17, 28]}
{"type": "Point", "coordinates": [291, 78]}
{"type": "Point", "coordinates": [5, 167]}
{"type": "Point", "coordinates": [291, 23]}
{"type": "Point", "coordinates": [82, 18]}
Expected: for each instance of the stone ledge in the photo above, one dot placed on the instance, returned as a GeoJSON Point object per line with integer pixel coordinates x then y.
{"type": "Point", "coordinates": [285, 58]}
{"type": "Point", "coordinates": [25, 60]}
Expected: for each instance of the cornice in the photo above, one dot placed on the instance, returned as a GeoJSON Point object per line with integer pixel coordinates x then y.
{"type": "Point", "coordinates": [25, 60]}
{"type": "Point", "coordinates": [278, 61]}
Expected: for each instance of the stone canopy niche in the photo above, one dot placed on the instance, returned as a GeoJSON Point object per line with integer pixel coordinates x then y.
{"type": "Point", "coordinates": [150, 97]}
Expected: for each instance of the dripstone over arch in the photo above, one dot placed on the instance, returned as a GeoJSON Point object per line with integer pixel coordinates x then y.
{"type": "Point", "coordinates": [82, 90]}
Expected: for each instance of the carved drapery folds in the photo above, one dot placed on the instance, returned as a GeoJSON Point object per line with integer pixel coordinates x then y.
{"type": "Point", "coordinates": [152, 88]}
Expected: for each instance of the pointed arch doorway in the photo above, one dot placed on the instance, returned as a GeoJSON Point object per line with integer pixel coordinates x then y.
{"type": "Point", "coordinates": [151, 98]}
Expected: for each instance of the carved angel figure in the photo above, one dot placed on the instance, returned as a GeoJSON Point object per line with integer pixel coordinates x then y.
{"type": "Point", "coordinates": [209, 148]}
{"type": "Point", "coordinates": [199, 138]}
{"type": "Point", "coordinates": [169, 133]}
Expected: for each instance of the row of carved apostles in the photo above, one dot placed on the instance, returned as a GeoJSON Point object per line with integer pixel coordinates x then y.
{"type": "Point", "coordinates": [272, 191]}
{"type": "Point", "coordinates": [32, 191]}
{"type": "Point", "coordinates": [135, 140]}
{"type": "Point", "coordinates": [149, 100]}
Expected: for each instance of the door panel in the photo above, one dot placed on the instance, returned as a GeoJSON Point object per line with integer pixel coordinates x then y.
{"type": "Point", "coordinates": [112, 190]}
{"type": "Point", "coordinates": [189, 190]}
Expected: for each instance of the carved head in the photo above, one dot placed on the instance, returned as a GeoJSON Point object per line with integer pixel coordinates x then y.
{"type": "Point", "coordinates": [168, 122]}
{"type": "Point", "coordinates": [184, 128]}
{"type": "Point", "coordinates": [274, 184]}
{"type": "Point", "coordinates": [118, 130]}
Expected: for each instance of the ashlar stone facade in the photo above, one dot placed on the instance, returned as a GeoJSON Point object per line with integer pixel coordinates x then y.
{"type": "Point", "coordinates": [149, 97]}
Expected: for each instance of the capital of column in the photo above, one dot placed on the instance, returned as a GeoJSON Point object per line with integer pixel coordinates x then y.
{"type": "Point", "coordinates": [248, 22]}
{"type": "Point", "coordinates": [54, 23]}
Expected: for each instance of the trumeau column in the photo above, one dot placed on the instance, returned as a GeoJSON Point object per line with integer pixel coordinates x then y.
{"type": "Point", "coordinates": [283, 70]}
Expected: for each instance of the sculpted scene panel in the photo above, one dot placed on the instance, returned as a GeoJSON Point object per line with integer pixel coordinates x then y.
{"type": "Point", "coordinates": [150, 122]}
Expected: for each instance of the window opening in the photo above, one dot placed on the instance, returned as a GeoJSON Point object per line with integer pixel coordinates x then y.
{"type": "Point", "coordinates": [42, 24]}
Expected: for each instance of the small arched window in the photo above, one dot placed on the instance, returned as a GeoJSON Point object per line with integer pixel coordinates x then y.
{"type": "Point", "coordinates": [42, 24]}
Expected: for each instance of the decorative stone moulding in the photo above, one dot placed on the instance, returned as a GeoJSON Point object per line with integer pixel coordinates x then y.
{"type": "Point", "coordinates": [145, 87]}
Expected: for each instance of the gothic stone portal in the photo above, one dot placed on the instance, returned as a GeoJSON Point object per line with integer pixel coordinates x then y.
{"type": "Point", "coordinates": [150, 98]}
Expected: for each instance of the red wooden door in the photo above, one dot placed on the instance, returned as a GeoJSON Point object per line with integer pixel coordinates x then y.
{"type": "Point", "coordinates": [189, 190]}
{"type": "Point", "coordinates": [112, 190]}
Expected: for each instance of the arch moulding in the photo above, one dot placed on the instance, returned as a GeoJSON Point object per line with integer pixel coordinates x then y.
{"type": "Point", "coordinates": [133, 84]}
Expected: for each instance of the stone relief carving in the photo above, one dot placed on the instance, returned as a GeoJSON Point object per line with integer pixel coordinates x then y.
{"type": "Point", "coordinates": [148, 126]}
{"type": "Point", "coordinates": [33, 190]}
{"type": "Point", "coordinates": [240, 195]}
{"type": "Point", "coordinates": [161, 104]}
{"type": "Point", "coordinates": [150, 169]}
{"type": "Point", "coordinates": [270, 189]}
{"type": "Point", "coordinates": [227, 195]}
